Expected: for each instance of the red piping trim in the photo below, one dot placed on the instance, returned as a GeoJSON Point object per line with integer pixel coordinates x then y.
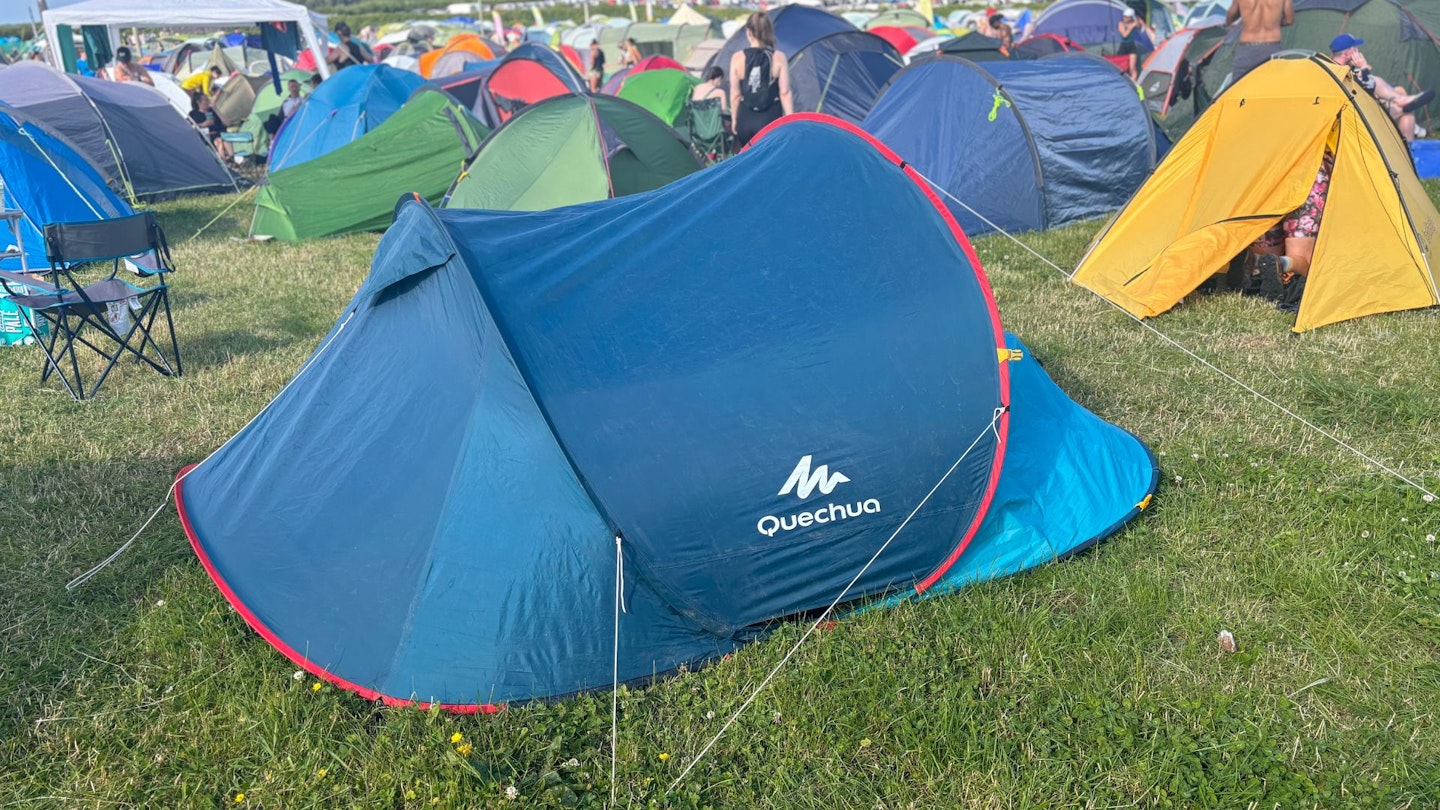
{"type": "Point", "coordinates": [1002, 426]}
{"type": "Point", "coordinates": [289, 652]}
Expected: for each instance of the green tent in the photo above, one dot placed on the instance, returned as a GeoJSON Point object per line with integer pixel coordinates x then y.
{"type": "Point", "coordinates": [900, 17]}
{"type": "Point", "coordinates": [1398, 44]}
{"type": "Point", "coordinates": [662, 92]}
{"type": "Point", "coordinates": [572, 149]}
{"type": "Point", "coordinates": [267, 103]}
{"type": "Point", "coordinates": [418, 150]}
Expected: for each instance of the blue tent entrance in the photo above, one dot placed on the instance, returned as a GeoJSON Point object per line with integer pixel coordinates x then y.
{"type": "Point", "coordinates": [1029, 144]}
{"type": "Point", "coordinates": [433, 510]}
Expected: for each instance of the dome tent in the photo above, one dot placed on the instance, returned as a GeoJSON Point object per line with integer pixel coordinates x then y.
{"type": "Point", "coordinates": [526, 75]}
{"type": "Point", "coordinates": [664, 93]}
{"type": "Point", "coordinates": [128, 131]}
{"type": "Point", "coordinates": [1249, 161]}
{"type": "Point", "coordinates": [1030, 144]}
{"type": "Point", "coordinates": [606, 413]}
{"type": "Point", "coordinates": [572, 149]}
{"type": "Point", "coordinates": [45, 178]}
{"type": "Point", "coordinates": [343, 108]}
{"type": "Point", "coordinates": [1094, 23]}
{"type": "Point", "coordinates": [835, 68]}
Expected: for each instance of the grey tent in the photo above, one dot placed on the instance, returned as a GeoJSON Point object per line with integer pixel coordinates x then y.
{"type": "Point", "coordinates": [141, 145]}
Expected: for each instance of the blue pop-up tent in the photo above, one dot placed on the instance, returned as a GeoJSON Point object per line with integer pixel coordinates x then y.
{"type": "Point", "coordinates": [343, 108]}
{"type": "Point", "coordinates": [1028, 144]}
{"type": "Point", "coordinates": [497, 435]}
{"type": "Point", "coordinates": [45, 178]}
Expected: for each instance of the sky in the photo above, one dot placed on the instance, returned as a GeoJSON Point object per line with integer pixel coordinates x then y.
{"type": "Point", "coordinates": [16, 11]}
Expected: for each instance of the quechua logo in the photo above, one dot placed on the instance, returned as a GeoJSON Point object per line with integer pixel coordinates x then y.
{"type": "Point", "coordinates": [805, 480]}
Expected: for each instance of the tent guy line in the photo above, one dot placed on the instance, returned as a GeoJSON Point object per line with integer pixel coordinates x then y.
{"type": "Point", "coordinates": [825, 614]}
{"type": "Point", "coordinates": [1428, 495]}
{"type": "Point", "coordinates": [105, 563]}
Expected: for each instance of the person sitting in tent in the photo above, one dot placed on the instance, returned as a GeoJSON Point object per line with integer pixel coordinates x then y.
{"type": "Point", "coordinates": [597, 65]}
{"type": "Point", "coordinates": [1345, 50]}
{"type": "Point", "coordinates": [351, 51]}
{"type": "Point", "coordinates": [759, 81]}
{"type": "Point", "coordinates": [1135, 42]}
{"type": "Point", "coordinates": [1283, 253]}
{"type": "Point", "coordinates": [202, 82]}
{"type": "Point", "coordinates": [203, 114]}
{"type": "Point", "coordinates": [125, 69]}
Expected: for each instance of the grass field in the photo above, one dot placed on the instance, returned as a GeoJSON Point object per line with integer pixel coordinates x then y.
{"type": "Point", "coordinates": [1094, 683]}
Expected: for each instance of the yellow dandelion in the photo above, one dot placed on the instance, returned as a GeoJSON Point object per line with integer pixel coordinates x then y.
{"type": "Point", "coordinates": [664, 757]}
{"type": "Point", "coordinates": [239, 797]}
{"type": "Point", "coordinates": [321, 773]}
{"type": "Point", "coordinates": [464, 749]}
{"type": "Point", "coordinates": [457, 738]}
{"type": "Point", "coordinates": [865, 743]}
{"type": "Point", "coordinates": [410, 796]}
{"type": "Point", "coordinates": [317, 686]}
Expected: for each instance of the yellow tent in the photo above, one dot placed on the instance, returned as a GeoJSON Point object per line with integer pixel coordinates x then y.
{"type": "Point", "coordinates": [1250, 160]}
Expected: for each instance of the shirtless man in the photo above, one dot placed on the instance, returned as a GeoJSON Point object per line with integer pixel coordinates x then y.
{"type": "Point", "coordinates": [1260, 22]}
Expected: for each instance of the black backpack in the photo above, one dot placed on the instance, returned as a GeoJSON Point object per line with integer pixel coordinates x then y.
{"type": "Point", "coordinates": [758, 92]}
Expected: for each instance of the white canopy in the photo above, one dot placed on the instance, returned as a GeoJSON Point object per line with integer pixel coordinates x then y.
{"type": "Point", "coordinates": [173, 14]}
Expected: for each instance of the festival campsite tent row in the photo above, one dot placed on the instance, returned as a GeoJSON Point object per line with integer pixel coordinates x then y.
{"type": "Point", "coordinates": [608, 411]}
{"type": "Point", "coordinates": [1235, 174]}
{"type": "Point", "coordinates": [142, 147]}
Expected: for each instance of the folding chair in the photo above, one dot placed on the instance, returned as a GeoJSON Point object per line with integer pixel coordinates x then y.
{"type": "Point", "coordinates": [708, 133]}
{"type": "Point", "coordinates": [112, 317]}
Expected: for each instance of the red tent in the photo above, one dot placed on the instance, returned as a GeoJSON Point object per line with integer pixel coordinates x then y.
{"type": "Point", "coordinates": [902, 38]}
{"type": "Point", "coordinates": [656, 62]}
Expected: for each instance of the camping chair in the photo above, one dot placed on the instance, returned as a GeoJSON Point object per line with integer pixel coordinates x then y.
{"type": "Point", "coordinates": [708, 133]}
{"type": "Point", "coordinates": [111, 317]}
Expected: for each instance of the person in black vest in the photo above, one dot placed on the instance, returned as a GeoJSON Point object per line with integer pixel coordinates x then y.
{"type": "Point", "coordinates": [759, 81]}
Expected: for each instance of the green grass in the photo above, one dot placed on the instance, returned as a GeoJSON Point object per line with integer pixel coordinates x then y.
{"type": "Point", "coordinates": [1094, 683]}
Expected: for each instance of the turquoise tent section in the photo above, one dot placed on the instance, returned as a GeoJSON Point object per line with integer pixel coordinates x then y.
{"type": "Point", "coordinates": [523, 417]}
{"type": "Point", "coordinates": [45, 178]}
{"type": "Point", "coordinates": [343, 108]}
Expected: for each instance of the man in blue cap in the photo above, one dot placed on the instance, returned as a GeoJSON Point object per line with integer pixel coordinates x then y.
{"type": "Point", "coordinates": [1345, 50]}
{"type": "Point", "coordinates": [1260, 23]}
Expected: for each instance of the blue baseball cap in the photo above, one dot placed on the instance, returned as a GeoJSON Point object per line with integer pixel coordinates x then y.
{"type": "Point", "coordinates": [1345, 42]}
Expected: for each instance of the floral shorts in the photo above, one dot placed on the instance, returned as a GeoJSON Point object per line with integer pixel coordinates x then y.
{"type": "Point", "coordinates": [1303, 222]}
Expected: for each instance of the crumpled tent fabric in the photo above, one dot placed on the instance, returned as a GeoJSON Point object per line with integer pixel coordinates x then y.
{"type": "Point", "coordinates": [572, 149]}
{"type": "Point", "coordinates": [47, 179]}
{"type": "Point", "coordinates": [1250, 160]}
{"type": "Point", "coordinates": [1028, 144]}
{"type": "Point", "coordinates": [417, 150]}
{"type": "Point", "coordinates": [128, 131]}
{"type": "Point", "coordinates": [342, 109]}
{"type": "Point", "coordinates": [544, 398]}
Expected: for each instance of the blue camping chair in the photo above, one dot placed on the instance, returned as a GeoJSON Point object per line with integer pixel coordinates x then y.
{"type": "Point", "coordinates": [112, 317]}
